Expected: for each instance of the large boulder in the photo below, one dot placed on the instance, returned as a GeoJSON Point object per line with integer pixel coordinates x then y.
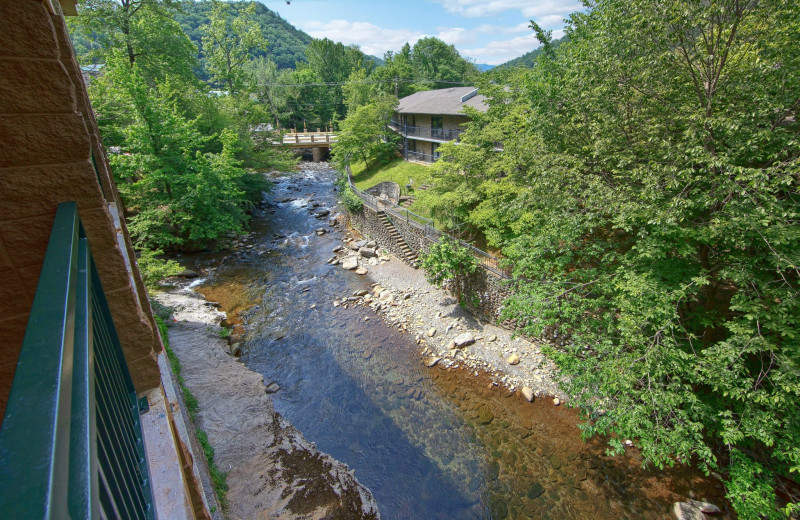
{"type": "Point", "coordinates": [464, 340]}
{"type": "Point", "coordinates": [367, 252]}
{"type": "Point", "coordinates": [350, 263]}
{"type": "Point", "coordinates": [386, 190]}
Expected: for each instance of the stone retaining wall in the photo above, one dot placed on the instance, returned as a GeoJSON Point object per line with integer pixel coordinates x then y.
{"type": "Point", "coordinates": [483, 290]}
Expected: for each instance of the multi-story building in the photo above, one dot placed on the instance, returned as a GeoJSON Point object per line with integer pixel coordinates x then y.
{"type": "Point", "coordinates": [427, 119]}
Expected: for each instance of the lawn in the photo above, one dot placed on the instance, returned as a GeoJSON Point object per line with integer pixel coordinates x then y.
{"type": "Point", "coordinates": [398, 171]}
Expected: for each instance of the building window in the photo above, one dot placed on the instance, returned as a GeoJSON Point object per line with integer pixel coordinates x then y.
{"type": "Point", "coordinates": [437, 123]}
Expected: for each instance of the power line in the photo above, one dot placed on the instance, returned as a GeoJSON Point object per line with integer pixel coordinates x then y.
{"type": "Point", "coordinates": [368, 82]}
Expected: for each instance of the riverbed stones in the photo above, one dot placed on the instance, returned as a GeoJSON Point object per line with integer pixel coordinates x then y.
{"type": "Point", "coordinates": [431, 332]}
{"type": "Point", "coordinates": [556, 401]}
{"type": "Point", "coordinates": [527, 393]}
{"type": "Point", "coordinates": [513, 359]}
{"type": "Point", "coordinates": [367, 252]}
{"type": "Point", "coordinates": [485, 415]}
{"type": "Point", "coordinates": [465, 339]}
{"type": "Point", "coordinates": [694, 510]}
{"type": "Point", "coordinates": [361, 270]}
{"type": "Point", "coordinates": [350, 263]}
{"type": "Point", "coordinates": [272, 388]}
{"type": "Point", "coordinates": [432, 361]}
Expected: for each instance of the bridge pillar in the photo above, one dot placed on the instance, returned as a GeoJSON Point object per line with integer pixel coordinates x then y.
{"type": "Point", "coordinates": [318, 153]}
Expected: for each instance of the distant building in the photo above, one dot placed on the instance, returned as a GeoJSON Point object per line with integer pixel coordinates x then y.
{"type": "Point", "coordinates": [89, 72]}
{"type": "Point", "coordinates": [427, 119]}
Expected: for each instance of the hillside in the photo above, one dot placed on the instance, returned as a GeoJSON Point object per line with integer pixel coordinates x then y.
{"type": "Point", "coordinates": [528, 59]}
{"type": "Point", "coordinates": [287, 44]}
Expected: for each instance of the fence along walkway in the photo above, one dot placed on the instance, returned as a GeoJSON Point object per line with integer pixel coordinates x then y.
{"type": "Point", "coordinates": [489, 262]}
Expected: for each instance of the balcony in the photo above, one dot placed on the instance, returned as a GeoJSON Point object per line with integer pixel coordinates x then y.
{"type": "Point", "coordinates": [72, 442]}
{"type": "Point", "coordinates": [437, 135]}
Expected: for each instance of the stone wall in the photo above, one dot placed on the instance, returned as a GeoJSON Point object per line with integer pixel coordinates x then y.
{"type": "Point", "coordinates": [52, 153]}
{"type": "Point", "coordinates": [484, 291]}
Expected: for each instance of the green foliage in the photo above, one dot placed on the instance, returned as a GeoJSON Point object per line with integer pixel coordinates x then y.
{"type": "Point", "coordinates": [365, 135]}
{"type": "Point", "coordinates": [447, 260]}
{"type": "Point", "coordinates": [352, 202]}
{"type": "Point", "coordinates": [154, 268]}
{"type": "Point", "coordinates": [218, 478]}
{"type": "Point", "coordinates": [528, 59]}
{"type": "Point", "coordinates": [287, 45]}
{"type": "Point", "coordinates": [229, 41]}
{"type": "Point", "coordinates": [647, 197]}
{"type": "Point", "coordinates": [429, 64]}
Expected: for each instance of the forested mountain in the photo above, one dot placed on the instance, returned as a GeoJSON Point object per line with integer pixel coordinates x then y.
{"type": "Point", "coordinates": [286, 44]}
{"type": "Point", "coordinates": [529, 58]}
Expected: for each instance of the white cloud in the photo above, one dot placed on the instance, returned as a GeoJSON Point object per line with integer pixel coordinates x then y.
{"type": "Point", "coordinates": [371, 38]}
{"type": "Point", "coordinates": [456, 35]}
{"type": "Point", "coordinates": [504, 29]}
{"type": "Point", "coordinates": [538, 10]}
{"type": "Point", "coordinates": [500, 51]}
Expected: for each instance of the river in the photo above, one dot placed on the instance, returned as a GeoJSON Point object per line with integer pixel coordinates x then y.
{"type": "Point", "coordinates": [430, 443]}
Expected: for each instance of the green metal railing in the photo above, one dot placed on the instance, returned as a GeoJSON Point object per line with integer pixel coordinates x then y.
{"type": "Point", "coordinates": [71, 441]}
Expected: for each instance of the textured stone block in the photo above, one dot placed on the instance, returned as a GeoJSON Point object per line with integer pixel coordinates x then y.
{"type": "Point", "coordinates": [35, 191]}
{"type": "Point", "coordinates": [35, 87]}
{"type": "Point", "coordinates": [136, 339]}
{"type": "Point", "coordinates": [99, 229]}
{"type": "Point", "coordinates": [112, 270]}
{"type": "Point", "coordinates": [144, 372]}
{"type": "Point", "coordinates": [124, 308]}
{"type": "Point", "coordinates": [29, 140]}
{"type": "Point", "coordinates": [26, 29]}
{"type": "Point", "coordinates": [26, 239]}
{"type": "Point", "coordinates": [14, 297]}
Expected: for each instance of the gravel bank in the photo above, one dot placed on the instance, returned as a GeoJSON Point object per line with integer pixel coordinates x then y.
{"type": "Point", "coordinates": [404, 299]}
{"type": "Point", "coordinates": [273, 472]}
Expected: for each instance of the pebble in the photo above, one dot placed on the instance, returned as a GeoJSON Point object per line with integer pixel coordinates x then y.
{"type": "Point", "coordinates": [513, 359]}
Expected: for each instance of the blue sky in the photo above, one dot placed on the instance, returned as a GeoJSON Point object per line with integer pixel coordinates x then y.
{"type": "Point", "coordinates": [486, 31]}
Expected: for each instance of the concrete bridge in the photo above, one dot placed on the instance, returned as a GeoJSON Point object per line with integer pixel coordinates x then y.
{"type": "Point", "coordinates": [317, 141]}
{"type": "Point", "coordinates": [309, 139]}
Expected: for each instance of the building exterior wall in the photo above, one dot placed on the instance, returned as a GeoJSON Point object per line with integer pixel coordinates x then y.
{"type": "Point", "coordinates": [52, 153]}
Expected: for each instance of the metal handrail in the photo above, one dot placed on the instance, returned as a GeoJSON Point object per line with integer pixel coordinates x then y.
{"type": "Point", "coordinates": [71, 442]}
{"type": "Point", "coordinates": [427, 226]}
{"type": "Point", "coordinates": [437, 134]}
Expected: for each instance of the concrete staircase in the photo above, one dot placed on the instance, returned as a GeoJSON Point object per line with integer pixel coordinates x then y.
{"type": "Point", "coordinates": [408, 253]}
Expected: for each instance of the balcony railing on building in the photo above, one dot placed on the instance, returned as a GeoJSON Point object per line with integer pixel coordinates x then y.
{"type": "Point", "coordinates": [71, 441]}
{"type": "Point", "coordinates": [441, 135]}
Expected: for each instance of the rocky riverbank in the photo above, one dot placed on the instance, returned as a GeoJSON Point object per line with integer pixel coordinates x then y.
{"type": "Point", "coordinates": [272, 471]}
{"type": "Point", "coordinates": [446, 333]}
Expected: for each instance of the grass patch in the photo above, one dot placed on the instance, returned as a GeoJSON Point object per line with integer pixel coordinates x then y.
{"type": "Point", "coordinates": [218, 477]}
{"type": "Point", "coordinates": [399, 171]}
{"type": "Point", "coordinates": [396, 170]}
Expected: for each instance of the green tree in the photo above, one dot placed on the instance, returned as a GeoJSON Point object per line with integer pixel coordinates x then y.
{"type": "Point", "coordinates": [647, 196]}
{"type": "Point", "coordinates": [176, 196]}
{"type": "Point", "coordinates": [332, 63]}
{"type": "Point", "coordinates": [364, 134]}
{"type": "Point", "coordinates": [448, 261]}
{"type": "Point", "coordinates": [359, 90]}
{"type": "Point", "coordinates": [229, 42]}
{"type": "Point", "coordinates": [143, 30]}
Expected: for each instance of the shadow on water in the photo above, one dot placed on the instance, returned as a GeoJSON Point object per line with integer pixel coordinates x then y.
{"type": "Point", "coordinates": [429, 443]}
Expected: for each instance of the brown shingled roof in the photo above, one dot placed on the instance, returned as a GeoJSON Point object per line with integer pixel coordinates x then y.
{"type": "Point", "coordinates": [444, 101]}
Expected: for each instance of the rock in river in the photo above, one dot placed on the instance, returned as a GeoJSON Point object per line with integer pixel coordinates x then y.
{"type": "Point", "coordinates": [513, 359]}
{"type": "Point", "coordinates": [361, 270]}
{"type": "Point", "coordinates": [350, 263]}
{"type": "Point", "coordinates": [527, 393]}
{"type": "Point", "coordinates": [367, 252]}
{"type": "Point", "coordinates": [272, 388]}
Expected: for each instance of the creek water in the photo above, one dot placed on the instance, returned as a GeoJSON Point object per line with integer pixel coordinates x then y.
{"type": "Point", "coordinates": [430, 443]}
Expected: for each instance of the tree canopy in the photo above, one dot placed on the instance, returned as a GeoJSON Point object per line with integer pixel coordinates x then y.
{"type": "Point", "coordinates": [647, 198]}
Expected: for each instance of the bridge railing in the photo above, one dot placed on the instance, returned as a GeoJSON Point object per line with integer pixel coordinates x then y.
{"type": "Point", "coordinates": [71, 442]}
{"type": "Point", "coordinates": [427, 227]}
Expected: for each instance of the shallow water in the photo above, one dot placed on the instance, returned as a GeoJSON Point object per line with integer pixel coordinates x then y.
{"type": "Point", "coordinates": [429, 443]}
